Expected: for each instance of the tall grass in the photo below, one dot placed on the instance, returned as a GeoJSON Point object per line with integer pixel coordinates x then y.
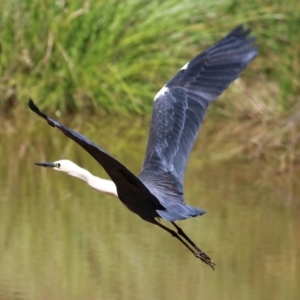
{"type": "Point", "coordinates": [117, 54]}
{"type": "Point", "coordinates": [75, 55]}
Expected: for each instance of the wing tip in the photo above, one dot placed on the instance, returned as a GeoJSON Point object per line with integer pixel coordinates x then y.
{"type": "Point", "coordinates": [241, 31]}
{"type": "Point", "coordinates": [244, 33]}
{"type": "Point", "coordinates": [35, 109]}
{"type": "Point", "coordinates": [32, 106]}
{"type": "Point", "coordinates": [238, 44]}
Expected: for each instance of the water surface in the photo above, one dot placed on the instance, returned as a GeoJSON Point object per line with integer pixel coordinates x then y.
{"type": "Point", "coordinates": [60, 239]}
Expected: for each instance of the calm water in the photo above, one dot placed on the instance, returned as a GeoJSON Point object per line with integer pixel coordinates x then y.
{"type": "Point", "coordinates": [59, 239]}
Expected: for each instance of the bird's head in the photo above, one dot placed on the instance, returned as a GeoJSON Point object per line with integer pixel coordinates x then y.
{"type": "Point", "coordinates": [63, 165]}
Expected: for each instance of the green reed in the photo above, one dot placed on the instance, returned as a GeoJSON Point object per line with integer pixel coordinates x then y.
{"type": "Point", "coordinates": [115, 55]}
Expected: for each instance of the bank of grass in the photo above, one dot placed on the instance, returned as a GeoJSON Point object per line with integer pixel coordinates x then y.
{"type": "Point", "coordinates": [113, 56]}
{"type": "Point", "coordinates": [108, 54]}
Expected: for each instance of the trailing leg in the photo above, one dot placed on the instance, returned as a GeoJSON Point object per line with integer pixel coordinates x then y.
{"type": "Point", "coordinates": [198, 253]}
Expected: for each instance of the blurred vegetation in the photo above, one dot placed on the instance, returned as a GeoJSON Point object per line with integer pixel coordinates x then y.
{"type": "Point", "coordinates": [113, 56]}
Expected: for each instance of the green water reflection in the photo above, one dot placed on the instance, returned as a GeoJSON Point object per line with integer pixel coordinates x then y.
{"type": "Point", "coordinates": [59, 239]}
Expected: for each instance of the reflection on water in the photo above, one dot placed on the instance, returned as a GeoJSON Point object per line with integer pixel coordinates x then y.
{"type": "Point", "coordinates": [60, 239]}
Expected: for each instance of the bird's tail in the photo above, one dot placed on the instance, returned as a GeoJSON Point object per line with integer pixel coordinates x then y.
{"type": "Point", "coordinates": [180, 211]}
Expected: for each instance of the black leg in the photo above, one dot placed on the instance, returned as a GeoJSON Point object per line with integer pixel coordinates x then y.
{"type": "Point", "coordinates": [196, 251]}
{"type": "Point", "coordinates": [180, 232]}
{"type": "Point", "coordinates": [199, 253]}
{"type": "Point", "coordinates": [174, 234]}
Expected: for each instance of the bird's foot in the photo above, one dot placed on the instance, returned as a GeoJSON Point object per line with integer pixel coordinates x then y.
{"type": "Point", "coordinates": [205, 258]}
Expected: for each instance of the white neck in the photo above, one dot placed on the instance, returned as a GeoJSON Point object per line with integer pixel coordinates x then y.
{"type": "Point", "coordinates": [102, 185]}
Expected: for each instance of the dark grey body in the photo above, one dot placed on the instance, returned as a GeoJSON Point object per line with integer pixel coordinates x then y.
{"type": "Point", "coordinates": [169, 192]}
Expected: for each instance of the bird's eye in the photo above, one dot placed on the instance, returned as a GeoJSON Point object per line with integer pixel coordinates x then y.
{"type": "Point", "coordinates": [58, 165]}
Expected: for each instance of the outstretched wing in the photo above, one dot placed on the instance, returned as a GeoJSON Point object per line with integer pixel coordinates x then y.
{"type": "Point", "coordinates": [180, 106]}
{"type": "Point", "coordinates": [130, 189]}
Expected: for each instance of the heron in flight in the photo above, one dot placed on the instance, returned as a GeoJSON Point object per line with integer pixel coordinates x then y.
{"type": "Point", "coordinates": [178, 111]}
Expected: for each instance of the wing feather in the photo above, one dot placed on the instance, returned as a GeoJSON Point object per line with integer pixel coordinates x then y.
{"type": "Point", "coordinates": [180, 107]}
{"type": "Point", "coordinates": [132, 192]}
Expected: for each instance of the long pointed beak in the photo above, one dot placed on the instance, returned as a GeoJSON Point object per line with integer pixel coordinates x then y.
{"type": "Point", "coordinates": [46, 164]}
